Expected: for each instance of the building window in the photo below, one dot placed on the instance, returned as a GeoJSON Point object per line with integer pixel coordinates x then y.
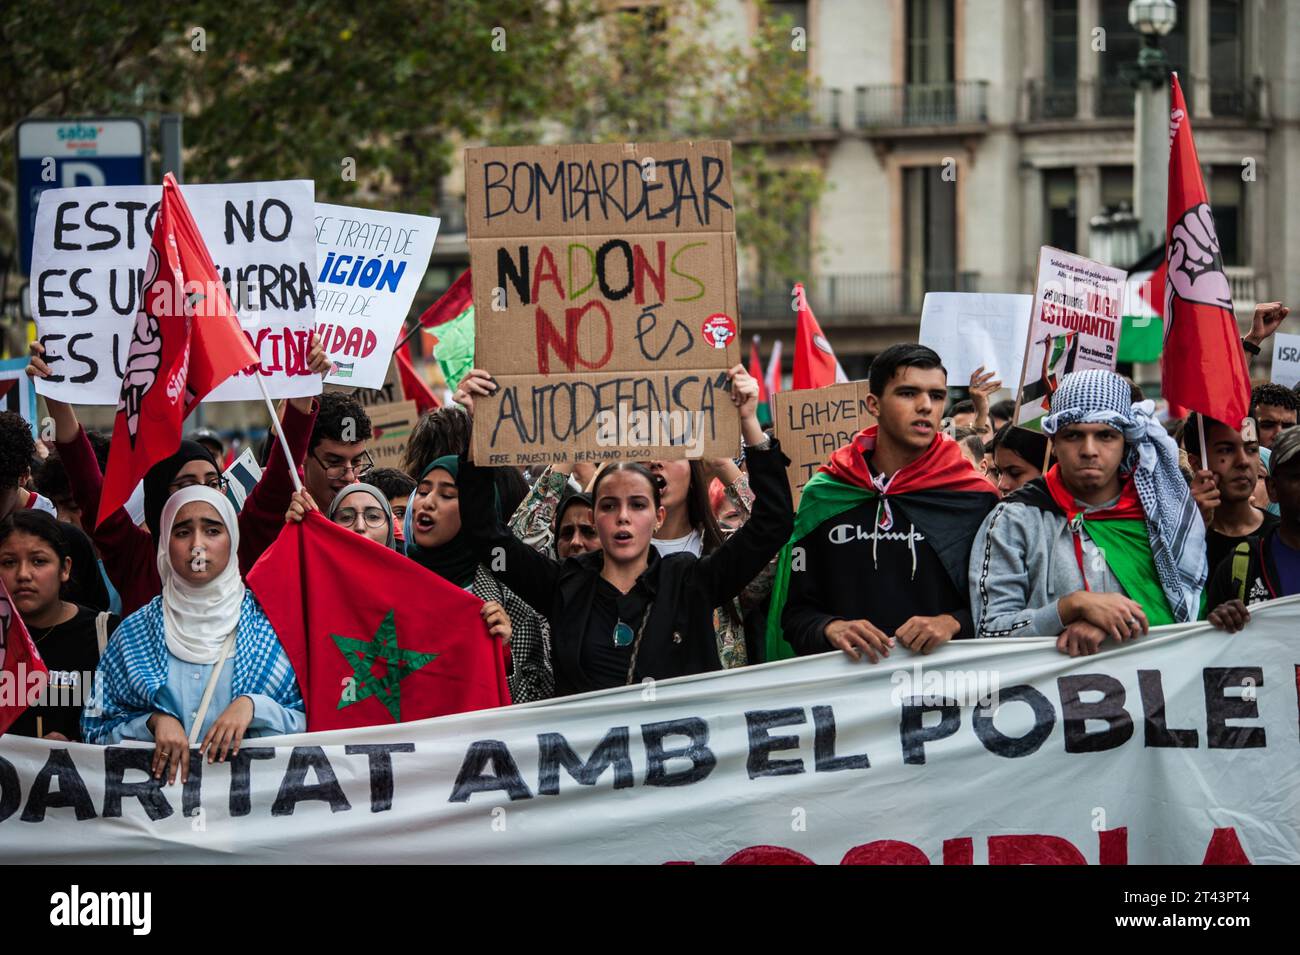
{"type": "Point", "coordinates": [1228, 200]}
{"type": "Point", "coordinates": [1061, 200]}
{"type": "Point", "coordinates": [1116, 186]}
{"type": "Point", "coordinates": [930, 41]}
{"type": "Point", "coordinates": [1227, 82]}
{"type": "Point", "coordinates": [929, 234]}
{"type": "Point", "coordinates": [1061, 66]}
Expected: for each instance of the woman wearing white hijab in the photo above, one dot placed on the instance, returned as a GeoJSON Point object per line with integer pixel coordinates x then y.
{"type": "Point", "coordinates": [199, 661]}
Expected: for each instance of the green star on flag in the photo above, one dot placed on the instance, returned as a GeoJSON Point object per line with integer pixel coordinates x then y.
{"type": "Point", "coordinates": [362, 655]}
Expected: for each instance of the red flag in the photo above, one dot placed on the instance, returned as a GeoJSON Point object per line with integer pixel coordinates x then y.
{"type": "Point", "coordinates": [1203, 366]}
{"type": "Point", "coordinates": [374, 638]}
{"type": "Point", "coordinates": [413, 385]}
{"type": "Point", "coordinates": [756, 367]}
{"type": "Point", "coordinates": [451, 303]}
{"type": "Point", "coordinates": [187, 340]}
{"type": "Point", "coordinates": [23, 674]}
{"type": "Point", "coordinates": [815, 365]}
{"type": "Point", "coordinates": [773, 383]}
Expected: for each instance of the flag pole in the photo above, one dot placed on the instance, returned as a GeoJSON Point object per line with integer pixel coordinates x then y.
{"type": "Point", "coordinates": [407, 337]}
{"type": "Point", "coordinates": [279, 430]}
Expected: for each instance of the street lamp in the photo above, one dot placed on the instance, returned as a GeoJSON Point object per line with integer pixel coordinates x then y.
{"type": "Point", "coordinates": [1152, 19]}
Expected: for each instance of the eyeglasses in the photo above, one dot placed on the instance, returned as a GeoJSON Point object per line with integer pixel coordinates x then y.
{"type": "Point", "coordinates": [218, 484]}
{"type": "Point", "coordinates": [360, 466]}
{"type": "Point", "coordinates": [373, 516]}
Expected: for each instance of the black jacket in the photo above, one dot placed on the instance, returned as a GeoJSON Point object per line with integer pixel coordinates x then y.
{"type": "Point", "coordinates": [1261, 575]}
{"type": "Point", "coordinates": [679, 636]}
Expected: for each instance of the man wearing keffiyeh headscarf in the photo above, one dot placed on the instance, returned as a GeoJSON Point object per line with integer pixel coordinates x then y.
{"type": "Point", "coordinates": [1107, 543]}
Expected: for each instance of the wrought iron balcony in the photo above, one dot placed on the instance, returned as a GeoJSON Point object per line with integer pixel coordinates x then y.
{"type": "Point", "coordinates": [921, 104]}
{"type": "Point", "coordinates": [844, 299]}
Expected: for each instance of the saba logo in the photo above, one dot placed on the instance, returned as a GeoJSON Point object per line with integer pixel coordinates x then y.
{"type": "Point", "coordinates": [80, 132]}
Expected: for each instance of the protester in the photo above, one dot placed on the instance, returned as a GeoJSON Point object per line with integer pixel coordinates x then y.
{"type": "Point", "coordinates": [971, 447]}
{"type": "Point", "coordinates": [1266, 566]}
{"type": "Point", "coordinates": [161, 663]}
{"type": "Point", "coordinates": [628, 612]}
{"type": "Point", "coordinates": [361, 508]}
{"type": "Point", "coordinates": [1018, 457]}
{"type": "Point", "coordinates": [1274, 409]}
{"type": "Point", "coordinates": [962, 416]}
{"type": "Point", "coordinates": [36, 568]}
{"type": "Point", "coordinates": [337, 454]}
{"type": "Point", "coordinates": [396, 486]}
{"type": "Point", "coordinates": [884, 527]}
{"type": "Point", "coordinates": [1000, 414]}
{"type": "Point", "coordinates": [575, 525]}
{"type": "Point", "coordinates": [1230, 464]}
{"type": "Point", "coordinates": [725, 510]}
{"type": "Point", "coordinates": [982, 385]}
{"type": "Point", "coordinates": [212, 441]}
{"type": "Point", "coordinates": [436, 540]}
{"type": "Point", "coordinates": [1107, 543]}
{"type": "Point", "coordinates": [126, 548]}
{"type": "Point", "coordinates": [52, 483]}
{"type": "Point", "coordinates": [17, 449]}
{"type": "Point", "coordinates": [537, 519]}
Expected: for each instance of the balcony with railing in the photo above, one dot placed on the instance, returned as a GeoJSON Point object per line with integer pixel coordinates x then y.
{"type": "Point", "coordinates": [853, 298]}
{"type": "Point", "coordinates": [1112, 98]}
{"type": "Point", "coordinates": [903, 106]}
{"type": "Point", "coordinates": [823, 119]}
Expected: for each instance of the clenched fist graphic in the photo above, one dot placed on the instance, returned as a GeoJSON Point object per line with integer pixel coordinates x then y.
{"type": "Point", "coordinates": [1195, 262]}
{"type": "Point", "coordinates": [145, 356]}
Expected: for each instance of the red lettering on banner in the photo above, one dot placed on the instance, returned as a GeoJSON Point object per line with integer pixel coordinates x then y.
{"type": "Point", "coordinates": [959, 851]}
{"type": "Point", "coordinates": [768, 855]}
{"type": "Point", "coordinates": [1033, 850]}
{"type": "Point", "coordinates": [885, 852]}
{"type": "Point", "coordinates": [546, 272]}
{"type": "Point", "coordinates": [1225, 849]}
{"type": "Point", "coordinates": [1112, 846]}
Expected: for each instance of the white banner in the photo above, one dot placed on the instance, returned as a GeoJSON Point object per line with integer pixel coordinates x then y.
{"type": "Point", "coordinates": [1180, 748]}
{"type": "Point", "coordinates": [371, 265]}
{"type": "Point", "coordinates": [1286, 360]}
{"type": "Point", "coordinates": [88, 260]}
{"type": "Point", "coordinates": [974, 329]}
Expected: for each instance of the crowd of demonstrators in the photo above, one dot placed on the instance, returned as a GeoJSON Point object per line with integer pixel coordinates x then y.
{"type": "Point", "coordinates": [629, 611]}
{"type": "Point", "coordinates": [881, 539]}
{"type": "Point", "coordinates": [1107, 543]}
{"type": "Point", "coordinates": [923, 528]}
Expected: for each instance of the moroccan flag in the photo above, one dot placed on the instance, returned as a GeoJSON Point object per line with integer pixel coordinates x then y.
{"type": "Point", "coordinates": [413, 384]}
{"type": "Point", "coordinates": [815, 365]}
{"type": "Point", "coordinates": [186, 341]}
{"type": "Point", "coordinates": [1203, 366]}
{"type": "Point", "coordinates": [374, 638]}
{"type": "Point", "coordinates": [940, 493]}
{"type": "Point", "coordinates": [451, 304]}
{"type": "Point", "coordinates": [23, 674]}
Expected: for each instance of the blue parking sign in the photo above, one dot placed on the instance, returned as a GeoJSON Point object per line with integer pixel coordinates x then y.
{"type": "Point", "coordinates": [59, 153]}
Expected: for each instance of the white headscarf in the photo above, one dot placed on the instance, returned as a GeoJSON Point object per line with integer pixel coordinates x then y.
{"type": "Point", "coordinates": [199, 617]}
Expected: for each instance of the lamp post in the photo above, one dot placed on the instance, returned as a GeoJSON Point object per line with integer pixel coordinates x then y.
{"type": "Point", "coordinates": [1152, 19]}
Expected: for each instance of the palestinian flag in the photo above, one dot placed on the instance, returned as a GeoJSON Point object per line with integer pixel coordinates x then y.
{"type": "Point", "coordinates": [1142, 335]}
{"type": "Point", "coordinates": [939, 492]}
{"type": "Point", "coordinates": [454, 347]}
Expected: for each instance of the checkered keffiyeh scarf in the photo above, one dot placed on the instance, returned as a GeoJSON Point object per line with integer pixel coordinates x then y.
{"type": "Point", "coordinates": [1174, 524]}
{"type": "Point", "coordinates": [135, 667]}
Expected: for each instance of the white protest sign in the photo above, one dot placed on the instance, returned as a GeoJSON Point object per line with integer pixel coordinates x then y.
{"type": "Point", "coordinates": [241, 477]}
{"type": "Point", "coordinates": [88, 261]}
{"type": "Point", "coordinates": [970, 329]}
{"type": "Point", "coordinates": [1077, 318]}
{"type": "Point", "coordinates": [1180, 747]}
{"type": "Point", "coordinates": [370, 266]}
{"type": "Point", "coordinates": [1286, 360]}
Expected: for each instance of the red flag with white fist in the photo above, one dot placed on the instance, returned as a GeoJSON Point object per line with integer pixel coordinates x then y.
{"type": "Point", "coordinates": [1203, 366]}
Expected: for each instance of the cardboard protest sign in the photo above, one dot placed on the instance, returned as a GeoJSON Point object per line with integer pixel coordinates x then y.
{"type": "Point", "coordinates": [813, 422]}
{"type": "Point", "coordinates": [1078, 305]}
{"type": "Point", "coordinates": [1286, 360]}
{"type": "Point", "coordinates": [241, 477]}
{"type": "Point", "coordinates": [17, 391]}
{"type": "Point", "coordinates": [371, 265]}
{"type": "Point", "coordinates": [391, 425]}
{"type": "Point", "coordinates": [605, 301]}
{"type": "Point", "coordinates": [970, 329]}
{"type": "Point", "coordinates": [88, 260]}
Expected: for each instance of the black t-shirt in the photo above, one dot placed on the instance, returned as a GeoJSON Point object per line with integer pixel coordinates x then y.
{"type": "Point", "coordinates": [604, 662]}
{"type": "Point", "coordinates": [854, 570]}
{"type": "Point", "coordinates": [1219, 546]}
{"type": "Point", "coordinates": [71, 652]}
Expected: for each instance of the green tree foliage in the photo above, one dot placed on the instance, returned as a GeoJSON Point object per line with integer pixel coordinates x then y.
{"type": "Point", "coordinates": [293, 89]}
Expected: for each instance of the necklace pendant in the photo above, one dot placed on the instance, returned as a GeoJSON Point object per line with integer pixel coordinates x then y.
{"type": "Point", "coordinates": [623, 635]}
